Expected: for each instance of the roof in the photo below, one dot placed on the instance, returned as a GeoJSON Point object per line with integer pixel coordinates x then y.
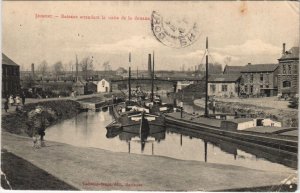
{"type": "Point", "coordinates": [240, 120]}
{"type": "Point", "coordinates": [7, 61]}
{"type": "Point", "coordinates": [260, 68]}
{"type": "Point", "coordinates": [224, 78]}
{"type": "Point", "coordinates": [233, 69]}
{"type": "Point", "coordinates": [293, 53]}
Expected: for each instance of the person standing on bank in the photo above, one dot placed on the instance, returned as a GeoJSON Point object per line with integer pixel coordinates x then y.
{"type": "Point", "coordinates": [36, 127]}
{"type": "Point", "coordinates": [23, 98]}
{"type": "Point", "coordinates": [6, 105]}
{"type": "Point", "coordinates": [11, 100]}
{"type": "Point", "coordinates": [214, 106]}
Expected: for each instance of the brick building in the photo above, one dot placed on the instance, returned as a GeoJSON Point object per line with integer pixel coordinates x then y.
{"type": "Point", "coordinates": [10, 76]}
{"type": "Point", "coordinates": [288, 83]}
{"type": "Point", "coordinates": [260, 79]}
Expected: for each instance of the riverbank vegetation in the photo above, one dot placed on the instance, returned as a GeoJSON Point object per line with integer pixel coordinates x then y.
{"type": "Point", "coordinates": [15, 122]}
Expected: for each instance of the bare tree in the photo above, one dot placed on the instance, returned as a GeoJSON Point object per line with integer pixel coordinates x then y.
{"type": "Point", "coordinates": [106, 66]}
{"type": "Point", "coordinates": [43, 68]}
{"type": "Point", "coordinates": [58, 69]}
{"type": "Point", "coordinates": [227, 60]}
{"type": "Point", "coordinates": [87, 67]}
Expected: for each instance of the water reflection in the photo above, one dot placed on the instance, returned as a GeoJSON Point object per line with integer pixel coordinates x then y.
{"type": "Point", "coordinates": [88, 130]}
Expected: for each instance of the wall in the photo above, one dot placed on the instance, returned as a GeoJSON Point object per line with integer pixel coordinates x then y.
{"type": "Point", "coordinates": [103, 86]}
{"type": "Point", "coordinates": [10, 79]}
{"type": "Point", "coordinates": [231, 89]}
{"type": "Point", "coordinates": [292, 77]}
{"type": "Point", "coordinates": [245, 125]}
{"type": "Point", "coordinates": [269, 81]}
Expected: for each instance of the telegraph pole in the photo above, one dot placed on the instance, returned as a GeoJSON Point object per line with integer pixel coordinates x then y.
{"type": "Point", "coordinates": [206, 79]}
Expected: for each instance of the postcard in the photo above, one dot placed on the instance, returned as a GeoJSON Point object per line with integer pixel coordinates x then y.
{"type": "Point", "coordinates": [150, 95]}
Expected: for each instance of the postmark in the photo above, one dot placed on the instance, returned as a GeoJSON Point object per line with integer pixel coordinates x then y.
{"type": "Point", "coordinates": [176, 33]}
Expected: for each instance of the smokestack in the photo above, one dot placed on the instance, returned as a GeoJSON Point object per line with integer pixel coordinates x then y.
{"type": "Point", "coordinates": [76, 78]}
{"type": "Point", "coordinates": [32, 69]}
{"type": "Point", "coordinates": [283, 48]}
{"type": "Point", "coordinates": [149, 66]}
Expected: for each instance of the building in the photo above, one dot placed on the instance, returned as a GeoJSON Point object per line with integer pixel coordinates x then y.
{"type": "Point", "coordinates": [246, 123]}
{"type": "Point", "coordinates": [104, 86]}
{"type": "Point", "coordinates": [10, 76]}
{"type": "Point", "coordinates": [259, 79]}
{"type": "Point", "coordinates": [288, 83]}
{"type": "Point", "coordinates": [224, 85]}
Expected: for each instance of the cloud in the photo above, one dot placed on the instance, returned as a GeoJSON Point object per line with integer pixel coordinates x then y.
{"type": "Point", "coordinates": [250, 47]}
{"type": "Point", "coordinates": [214, 56]}
{"type": "Point", "coordinates": [131, 44]}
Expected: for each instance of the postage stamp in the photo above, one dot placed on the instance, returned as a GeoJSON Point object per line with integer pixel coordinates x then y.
{"type": "Point", "coordinates": [176, 33]}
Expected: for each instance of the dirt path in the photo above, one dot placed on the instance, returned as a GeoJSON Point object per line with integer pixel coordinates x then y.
{"type": "Point", "coordinates": [96, 169]}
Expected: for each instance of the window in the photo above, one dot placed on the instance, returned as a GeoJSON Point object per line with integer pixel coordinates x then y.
{"type": "Point", "coordinates": [267, 86]}
{"type": "Point", "coordinates": [213, 88]}
{"type": "Point", "coordinates": [246, 88]}
{"type": "Point", "coordinates": [251, 89]}
{"type": "Point", "coordinates": [283, 69]}
{"type": "Point", "coordinates": [261, 77]}
{"type": "Point", "coordinates": [224, 88]}
{"type": "Point", "coordinates": [289, 69]}
{"type": "Point", "coordinates": [286, 84]}
{"type": "Point", "coordinates": [261, 86]}
{"type": "Point", "coordinates": [267, 78]}
{"type": "Point", "coordinates": [251, 78]}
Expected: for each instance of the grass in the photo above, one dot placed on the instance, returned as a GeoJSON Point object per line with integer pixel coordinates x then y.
{"type": "Point", "coordinates": [22, 175]}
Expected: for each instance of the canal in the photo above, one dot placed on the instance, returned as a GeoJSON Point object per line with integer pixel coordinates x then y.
{"type": "Point", "coordinates": [88, 130]}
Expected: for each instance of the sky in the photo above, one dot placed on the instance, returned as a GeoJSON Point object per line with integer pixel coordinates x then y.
{"type": "Point", "coordinates": [247, 32]}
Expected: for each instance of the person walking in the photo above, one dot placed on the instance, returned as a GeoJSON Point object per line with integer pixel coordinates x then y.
{"type": "Point", "coordinates": [11, 100]}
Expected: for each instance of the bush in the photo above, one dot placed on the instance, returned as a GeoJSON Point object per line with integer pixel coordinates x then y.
{"type": "Point", "coordinates": [294, 103]}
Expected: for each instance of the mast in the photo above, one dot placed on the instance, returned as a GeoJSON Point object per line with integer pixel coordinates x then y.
{"type": "Point", "coordinates": [152, 81]}
{"type": "Point", "coordinates": [129, 77]}
{"type": "Point", "coordinates": [206, 79]}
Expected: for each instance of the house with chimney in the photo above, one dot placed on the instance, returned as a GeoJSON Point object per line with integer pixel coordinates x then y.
{"type": "Point", "coordinates": [288, 83]}
{"type": "Point", "coordinates": [10, 76]}
{"type": "Point", "coordinates": [259, 80]}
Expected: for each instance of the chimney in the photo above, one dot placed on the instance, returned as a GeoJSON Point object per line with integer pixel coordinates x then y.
{"type": "Point", "coordinates": [283, 48]}
{"type": "Point", "coordinates": [32, 69]}
{"type": "Point", "coordinates": [149, 66]}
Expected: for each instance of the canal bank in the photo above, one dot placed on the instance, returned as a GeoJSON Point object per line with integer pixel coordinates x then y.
{"type": "Point", "coordinates": [15, 122]}
{"type": "Point", "coordinates": [96, 169]}
{"type": "Point", "coordinates": [268, 107]}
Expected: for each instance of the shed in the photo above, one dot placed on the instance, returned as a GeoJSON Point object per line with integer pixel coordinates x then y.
{"type": "Point", "coordinates": [104, 86]}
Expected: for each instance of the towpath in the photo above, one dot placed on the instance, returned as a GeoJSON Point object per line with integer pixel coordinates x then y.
{"type": "Point", "coordinates": [96, 169]}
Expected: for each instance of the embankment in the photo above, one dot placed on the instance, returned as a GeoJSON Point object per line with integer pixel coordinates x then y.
{"type": "Point", "coordinates": [15, 122]}
{"type": "Point", "coordinates": [288, 117]}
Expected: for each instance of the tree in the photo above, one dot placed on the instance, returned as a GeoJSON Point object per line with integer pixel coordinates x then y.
{"type": "Point", "coordinates": [43, 68]}
{"type": "Point", "coordinates": [58, 69]}
{"type": "Point", "coordinates": [227, 60]}
{"type": "Point", "coordinates": [106, 66]}
{"type": "Point", "coordinates": [87, 67]}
